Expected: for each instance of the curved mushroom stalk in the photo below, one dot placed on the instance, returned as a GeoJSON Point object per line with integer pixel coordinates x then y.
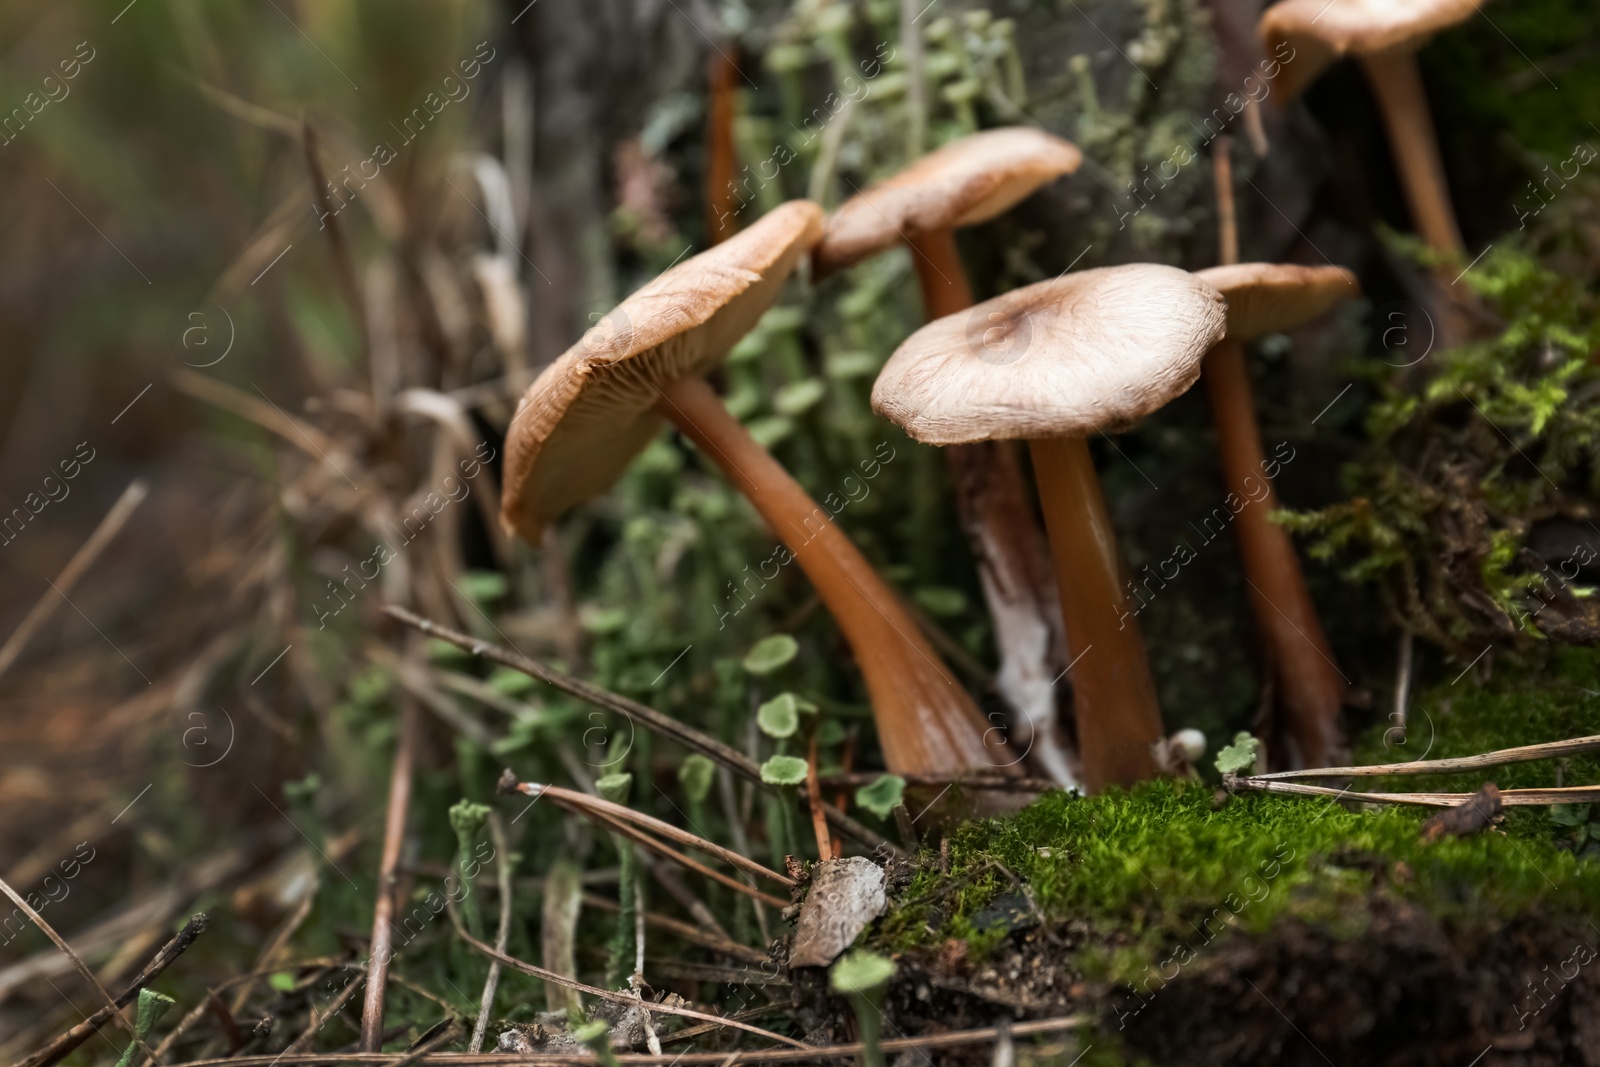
{"type": "Point", "coordinates": [1114, 696]}
{"type": "Point", "coordinates": [594, 408]}
{"type": "Point", "coordinates": [1408, 121]}
{"type": "Point", "coordinates": [1385, 36]}
{"type": "Point", "coordinates": [927, 723]}
{"type": "Point", "coordinates": [1268, 298]}
{"type": "Point", "coordinates": [1310, 686]}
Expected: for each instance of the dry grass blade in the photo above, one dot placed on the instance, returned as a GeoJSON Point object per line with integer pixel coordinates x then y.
{"type": "Point", "coordinates": [205, 1007]}
{"type": "Point", "coordinates": [1497, 758]}
{"type": "Point", "coordinates": [112, 1007]}
{"type": "Point", "coordinates": [383, 909]}
{"type": "Point", "coordinates": [344, 266]}
{"type": "Point", "coordinates": [617, 826]}
{"type": "Point", "coordinates": [1575, 794]}
{"type": "Point", "coordinates": [304, 436]}
{"type": "Point", "coordinates": [688, 736]}
{"type": "Point", "coordinates": [81, 561]}
{"type": "Point", "coordinates": [606, 994]}
{"type": "Point", "coordinates": [585, 804]}
{"type": "Point", "coordinates": [685, 931]}
{"type": "Point", "coordinates": [319, 1019]}
{"type": "Point", "coordinates": [502, 870]}
{"type": "Point", "coordinates": [56, 1050]}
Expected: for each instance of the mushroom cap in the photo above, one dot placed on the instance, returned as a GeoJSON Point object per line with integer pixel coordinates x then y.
{"type": "Point", "coordinates": [1097, 350]}
{"type": "Point", "coordinates": [970, 180]}
{"type": "Point", "coordinates": [1320, 31]}
{"type": "Point", "coordinates": [591, 411]}
{"type": "Point", "coordinates": [1268, 298]}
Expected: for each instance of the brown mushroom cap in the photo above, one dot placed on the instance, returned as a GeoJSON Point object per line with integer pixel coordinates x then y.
{"type": "Point", "coordinates": [1268, 298]}
{"type": "Point", "coordinates": [591, 411]}
{"type": "Point", "coordinates": [970, 180]}
{"type": "Point", "coordinates": [1320, 31]}
{"type": "Point", "coordinates": [1097, 350]}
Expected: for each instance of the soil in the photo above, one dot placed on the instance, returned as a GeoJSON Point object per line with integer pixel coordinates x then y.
{"type": "Point", "coordinates": [1406, 990]}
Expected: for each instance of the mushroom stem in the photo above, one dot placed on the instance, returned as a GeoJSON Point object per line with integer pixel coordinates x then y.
{"type": "Point", "coordinates": [1311, 687]}
{"type": "Point", "coordinates": [993, 505]}
{"type": "Point", "coordinates": [940, 274]}
{"type": "Point", "coordinates": [1398, 86]}
{"type": "Point", "coordinates": [1113, 692]}
{"type": "Point", "coordinates": [926, 721]}
{"type": "Point", "coordinates": [721, 158]}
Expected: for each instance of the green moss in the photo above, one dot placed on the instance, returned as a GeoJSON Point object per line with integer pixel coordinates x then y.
{"type": "Point", "coordinates": [1162, 861]}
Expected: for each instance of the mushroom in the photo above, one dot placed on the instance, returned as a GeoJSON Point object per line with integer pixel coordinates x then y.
{"type": "Point", "coordinates": [1385, 35]}
{"type": "Point", "coordinates": [601, 402]}
{"type": "Point", "coordinates": [1268, 298]}
{"type": "Point", "coordinates": [1051, 363]}
{"type": "Point", "coordinates": [968, 181]}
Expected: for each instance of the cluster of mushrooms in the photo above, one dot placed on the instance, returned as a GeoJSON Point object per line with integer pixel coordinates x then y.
{"type": "Point", "coordinates": [1050, 364]}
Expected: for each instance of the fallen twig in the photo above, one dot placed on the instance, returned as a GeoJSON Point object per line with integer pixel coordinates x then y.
{"type": "Point", "coordinates": [383, 908]}
{"type": "Point", "coordinates": [1497, 758]}
{"type": "Point", "coordinates": [606, 994]}
{"type": "Point", "coordinates": [617, 826]}
{"type": "Point", "coordinates": [1576, 794]}
{"type": "Point", "coordinates": [112, 1006]}
{"type": "Point", "coordinates": [57, 1049]}
{"type": "Point", "coordinates": [685, 931]}
{"type": "Point", "coordinates": [81, 561]}
{"type": "Point", "coordinates": [502, 860]}
{"type": "Point", "coordinates": [685, 735]}
{"type": "Point", "coordinates": [585, 804]}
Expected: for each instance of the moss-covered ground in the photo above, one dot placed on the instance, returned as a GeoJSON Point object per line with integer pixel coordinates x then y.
{"type": "Point", "coordinates": [1137, 886]}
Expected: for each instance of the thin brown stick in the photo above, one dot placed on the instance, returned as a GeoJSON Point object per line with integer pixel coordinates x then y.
{"type": "Point", "coordinates": [687, 736]}
{"type": "Point", "coordinates": [58, 1049]}
{"type": "Point", "coordinates": [584, 804]}
{"type": "Point", "coordinates": [502, 869]}
{"type": "Point", "coordinates": [280, 938]}
{"type": "Point", "coordinates": [113, 1007]}
{"type": "Point", "coordinates": [685, 931]}
{"type": "Point", "coordinates": [819, 820]}
{"type": "Point", "coordinates": [383, 908]}
{"type": "Point", "coordinates": [1227, 217]}
{"type": "Point", "coordinates": [606, 994]}
{"type": "Point", "coordinates": [81, 561]}
{"type": "Point", "coordinates": [203, 1008]}
{"type": "Point", "coordinates": [1572, 794]}
{"type": "Point", "coordinates": [319, 1019]}
{"type": "Point", "coordinates": [617, 826]}
{"type": "Point", "coordinates": [343, 265]}
{"type": "Point", "coordinates": [1497, 758]}
{"type": "Point", "coordinates": [809, 1054]}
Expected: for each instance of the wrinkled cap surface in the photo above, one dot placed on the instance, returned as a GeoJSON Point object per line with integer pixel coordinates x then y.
{"type": "Point", "coordinates": [1086, 352]}
{"type": "Point", "coordinates": [1321, 31]}
{"type": "Point", "coordinates": [970, 180]}
{"type": "Point", "coordinates": [1268, 298]}
{"type": "Point", "coordinates": [592, 410]}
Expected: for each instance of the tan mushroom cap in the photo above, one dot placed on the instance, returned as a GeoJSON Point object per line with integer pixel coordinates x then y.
{"type": "Point", "coordinates": [1320, 31]}
{"type": "Point", "coordinates": [591, 411]}
{"type": "Point", "coordinates": [970, 180]}
{"type": "Point", "coordinates": [1268, 298]}
{"type": "Point", "coordinates": [1097, 350]}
